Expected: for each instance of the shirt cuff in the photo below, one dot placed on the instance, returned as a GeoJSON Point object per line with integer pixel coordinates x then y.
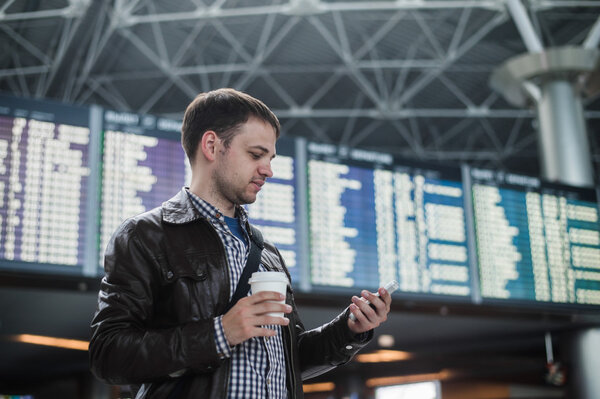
{"type": "Point", "coordinates": [223, 348]}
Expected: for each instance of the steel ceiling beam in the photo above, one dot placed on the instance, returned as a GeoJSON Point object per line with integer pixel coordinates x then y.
{"type": "Point", "coordinates": [364, 133]}
{"type": "Point", "coordinates": [351, 121]}
{"type": "Point", "coordinates": [343, 52]}
{"type": "Point", "coordinates": [459, 32]}
{"type": "Point", "coordinates": [404, 113]}
{"type": "Point", "coordinates": [428, 34]}
{"type": "Point", "coordinates": [467, 45]}
{"type": "Point", "coordinates": [593, 37]}
{"type": "Point", "coordinates": [26, 44]}
{"type": "Point", "coordinates": [23, 71]}
{"type": "Point", "coordinates": [5, 6]}
{"type": "Point", "coordinates": [375, 37]}
{"type": "Point", "coordinates": [20, 78]}
{"type": "Point", "coordinates": [265, 49]}
{"type": "Point", "coordinates": [287, 9]}
{"type": "Point", "coordinates": [160, 63]}
{"type": "Point", "coordinates": [236, 46]}
{"type": "Point", "coordinates": [70, 29]}
{"type": "Point", "coordinates": [524, 26]}
{"type": "Point", "coordinates": [159, 37]}
{"type": "Point", "coordinates": [31, 15]}
{"type": "Point", "coordinates": [100, 39]}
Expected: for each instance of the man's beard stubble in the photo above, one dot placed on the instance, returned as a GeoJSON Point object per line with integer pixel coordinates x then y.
{"type": "Point", "coordinates": [225, 189]}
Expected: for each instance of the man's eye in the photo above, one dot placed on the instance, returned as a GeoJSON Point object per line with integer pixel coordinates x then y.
{"type": "Point", "coordinates": [254, 155]}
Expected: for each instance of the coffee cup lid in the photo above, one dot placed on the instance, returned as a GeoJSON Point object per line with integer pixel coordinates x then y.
{"type": "Point", "coordinates": [268, 276]}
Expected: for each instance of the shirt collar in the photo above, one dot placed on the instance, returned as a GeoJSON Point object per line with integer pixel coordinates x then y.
{"type": "Point", "coordinates": [211, 212]}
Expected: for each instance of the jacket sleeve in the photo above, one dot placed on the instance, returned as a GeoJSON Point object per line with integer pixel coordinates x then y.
{"type": "Point", "coordinates": [331, 345]}
{"type": "Point", "coordinates": [127, 346]}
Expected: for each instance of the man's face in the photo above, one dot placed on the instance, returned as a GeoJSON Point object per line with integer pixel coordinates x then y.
{"type": "Point", "coordinates": [242, 168]}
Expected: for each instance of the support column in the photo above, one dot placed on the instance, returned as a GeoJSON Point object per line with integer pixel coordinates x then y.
{"type": "Point", "coordinates": [553, 82]}
{"type": "Point", "coordinates": [564, 148]}
{"type": "Point", "coordinates": [583, 365]}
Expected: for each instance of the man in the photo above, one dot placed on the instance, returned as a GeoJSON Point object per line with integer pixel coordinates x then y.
{"type": "Point", "coordinates": [162, 322]}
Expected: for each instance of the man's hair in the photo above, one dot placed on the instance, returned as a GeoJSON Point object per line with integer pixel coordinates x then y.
{"type": "Point", "coordinates": [222, 111]}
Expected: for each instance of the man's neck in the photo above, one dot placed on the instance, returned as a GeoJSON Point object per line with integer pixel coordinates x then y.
{"type": "Point", "coordinates": [224, 206]}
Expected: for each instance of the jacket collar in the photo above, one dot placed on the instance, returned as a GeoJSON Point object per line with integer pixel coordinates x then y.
{"type": "Point", "coordinates": [180, 209]}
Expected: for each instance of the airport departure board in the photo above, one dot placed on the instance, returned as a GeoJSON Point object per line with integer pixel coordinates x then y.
{"type": "Point", "coordinates": [343, 219]}
{"type": "Point", "coordinates": [372, 220]}
{"type": "Point", "coordinates": [536, 241]}
{"type": "Point", "coordinates": [277, 207]}
{"type": "Point", "coordinates": [143, 165]}
{"type": "Point", "coordinates": [44, 171]}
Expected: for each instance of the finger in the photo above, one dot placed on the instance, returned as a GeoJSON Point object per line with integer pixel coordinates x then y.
{"type": "Point", "coordinates": [376, 302]}
{"type": "Point", "coordinates": [272, 320]}
{"type": "Point", "coordinates": [359, 315]}
{"type": "Point", "coordinates": [385, 296]}
{"type": "Point", "coordinates": [365, 308]}
{"type": "Point", "coordinates": [271, 307]}
{"type": "Point", "coordinates": [265, 332]}
{"type": "Point", "coordinates": [259, 331]}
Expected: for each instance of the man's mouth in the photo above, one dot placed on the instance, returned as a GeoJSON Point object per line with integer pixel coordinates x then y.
{"type": "Point", "coordinates": [258, 183]}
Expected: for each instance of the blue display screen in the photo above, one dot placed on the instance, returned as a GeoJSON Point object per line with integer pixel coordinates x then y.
{"type": "Point", "coordinates": [536, 241]}
{"type": "Point", "coordinates": [44, 173]}
{"type": "Point", "coordinates": [143, 165]}
{"type": "Point", "coordinates": [372, 221]}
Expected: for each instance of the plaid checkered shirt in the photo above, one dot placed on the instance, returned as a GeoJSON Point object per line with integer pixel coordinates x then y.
{"type": "Point", "coordinates": [258, 364]}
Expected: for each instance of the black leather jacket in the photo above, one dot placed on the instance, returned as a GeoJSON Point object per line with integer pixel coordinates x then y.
{"type": "Point", "coordinates": [166, 279]}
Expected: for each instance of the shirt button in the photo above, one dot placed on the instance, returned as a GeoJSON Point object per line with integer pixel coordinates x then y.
{"type": "Point", "coordinates": [268, 381]}
{"type": "Point", "coordinates": [218, 215]}
{"type": "Point", "coordinates": [169, 274]}
{"type": "Point", "coordinates": [349, 347]}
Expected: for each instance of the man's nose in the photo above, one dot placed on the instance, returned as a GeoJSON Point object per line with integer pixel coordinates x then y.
{"type": "Point", "coordinates": [265, 170]}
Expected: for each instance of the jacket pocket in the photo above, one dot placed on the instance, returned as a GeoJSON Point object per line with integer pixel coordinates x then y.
{"type": "Point", "coordinates": [190, 265]}
{"type": "Point", "coordinates": [189, 286]}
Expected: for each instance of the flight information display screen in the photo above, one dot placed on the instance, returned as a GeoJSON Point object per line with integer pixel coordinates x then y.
{"type": "Point", "coordinates": [276, 210]}
{"type": "Point", "coordinates": [143, 165]}
{"type": "Point", "coordinates": [44, 172]}
{"type": "Point", "coordinates": [343, 219]}
{"type": "Point", "coordinates": [372, 220]}
{"type": "Point", "coordinates": [536, 241]}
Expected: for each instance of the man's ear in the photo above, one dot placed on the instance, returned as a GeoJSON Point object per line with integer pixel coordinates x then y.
{"type": "Point", "coordinates": [208, 145]}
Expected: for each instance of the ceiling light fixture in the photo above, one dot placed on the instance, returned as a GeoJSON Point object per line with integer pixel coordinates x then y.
{"type": "Point", "coordinates": [318, 387]}
{"type": "Point", "coordinates": [404, 379]}
{"type": "Point", "coordinates": [386, 340]}
{"type": "Point", "coordinates": [52, 341]}
{"type": "Point", "coordinates": [383, 355]}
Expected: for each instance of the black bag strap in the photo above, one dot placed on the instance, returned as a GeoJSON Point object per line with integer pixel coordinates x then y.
{"type": "Point", "coordinates": [256, 247]}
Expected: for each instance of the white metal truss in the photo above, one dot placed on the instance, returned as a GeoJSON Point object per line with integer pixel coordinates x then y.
{"type": "Point", "coordinates": [349, 73]}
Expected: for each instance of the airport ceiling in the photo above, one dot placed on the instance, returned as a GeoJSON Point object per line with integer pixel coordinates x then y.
{"type": "Point", "coordinates": [409, 77]}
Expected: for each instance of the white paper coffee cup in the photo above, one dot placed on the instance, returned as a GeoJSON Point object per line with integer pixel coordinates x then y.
{"type": "Point", "coordinates": [270, 281]}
